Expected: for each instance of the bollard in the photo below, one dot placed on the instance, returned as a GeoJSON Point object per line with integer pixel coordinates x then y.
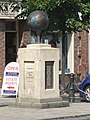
{"type": "Point", "coordinates": [71, 89]}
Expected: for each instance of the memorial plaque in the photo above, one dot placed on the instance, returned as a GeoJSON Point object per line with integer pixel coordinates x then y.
{"type": "Point", "coordinates": [49, 74]}
{"type": "Point", "coordinates": [29, 73]}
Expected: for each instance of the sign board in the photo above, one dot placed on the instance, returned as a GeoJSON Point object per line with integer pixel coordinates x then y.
{"type": "Point", "coordinates": [10, 79]}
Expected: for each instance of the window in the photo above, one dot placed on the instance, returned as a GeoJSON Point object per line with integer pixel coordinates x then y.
{"type": "Point", "coordinates": [68, 52]}
{"type": "Point", "coordinates": [10, 26]}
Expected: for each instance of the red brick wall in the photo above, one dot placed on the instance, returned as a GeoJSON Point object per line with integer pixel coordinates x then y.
{"type": "Point", "coordinates": [81, 54]}
{"type": "Point", "coordinates": [80, 48]}
{"type": "Point", "coordinates": [2, 47]}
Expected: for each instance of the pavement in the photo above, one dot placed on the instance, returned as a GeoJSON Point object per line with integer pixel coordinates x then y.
{"type": "Point", "coordinates": [17, 113]}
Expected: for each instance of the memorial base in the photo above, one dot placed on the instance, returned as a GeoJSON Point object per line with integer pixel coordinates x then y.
{"type": "Point", "coordinates": [40, 104]}
{"type": "Point", "coordinates": [39, 77]}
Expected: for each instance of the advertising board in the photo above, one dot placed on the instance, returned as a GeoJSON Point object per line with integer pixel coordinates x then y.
{"type": "Point", "coordinates": [10, 79]}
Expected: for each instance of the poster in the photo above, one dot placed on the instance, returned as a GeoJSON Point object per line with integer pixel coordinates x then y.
{"type": "Point", "coordinates": [10, 79]}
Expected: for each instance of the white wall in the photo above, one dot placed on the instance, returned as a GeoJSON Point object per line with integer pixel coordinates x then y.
{"type": "Point", "coordinates": [89, 52]}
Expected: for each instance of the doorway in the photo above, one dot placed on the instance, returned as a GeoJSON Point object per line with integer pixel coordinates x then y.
{"type": "Point", "coordinates": [10, 39]}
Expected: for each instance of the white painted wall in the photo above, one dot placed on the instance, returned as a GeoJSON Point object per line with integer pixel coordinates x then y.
{"type": "Point", "coordinates": [71, 52]}
{"type": "Point", "coordinates": [89, 52]}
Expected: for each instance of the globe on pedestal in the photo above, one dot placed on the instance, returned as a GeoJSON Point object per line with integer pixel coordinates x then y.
{"type": "Point", "coordinates": [38, 20]}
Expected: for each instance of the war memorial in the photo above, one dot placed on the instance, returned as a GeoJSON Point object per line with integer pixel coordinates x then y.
{"type": "Point", "coordinates": [39, 69]}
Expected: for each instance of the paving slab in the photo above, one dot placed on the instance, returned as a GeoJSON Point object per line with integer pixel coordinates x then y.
{"type": "Point", "coordinates": [17, 113]}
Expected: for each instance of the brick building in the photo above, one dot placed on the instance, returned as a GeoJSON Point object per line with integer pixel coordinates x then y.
{"type": "Point", "coordinates": [81, 53]}
{"type": "Point", "coordinates": [13, 31]}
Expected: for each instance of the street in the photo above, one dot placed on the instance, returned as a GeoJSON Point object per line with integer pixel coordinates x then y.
{"type": "Point", "coordinates": [76, 111]}
{"type": "Point", "coordinates": [82, 117]}
{"type": "Point", "coordinates": [10, 113]}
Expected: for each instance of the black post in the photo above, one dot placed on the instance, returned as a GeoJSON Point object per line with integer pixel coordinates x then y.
{"type": "Point", "coordinates": [71, 89]}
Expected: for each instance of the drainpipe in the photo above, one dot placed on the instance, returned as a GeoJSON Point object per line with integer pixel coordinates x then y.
{"type": "Point", "coordinates": [89, 52]}
{"type": "Point", "coordinates": [17, 37]}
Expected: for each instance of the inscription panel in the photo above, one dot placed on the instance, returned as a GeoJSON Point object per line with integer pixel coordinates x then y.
{"type": "Point", "coordinates": [49, 74]}
{"type": "Point", "coordinates": [29, 74]}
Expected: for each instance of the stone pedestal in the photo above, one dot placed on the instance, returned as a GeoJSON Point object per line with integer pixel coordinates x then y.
{"type": "Point", "coordinates": [39, 77]}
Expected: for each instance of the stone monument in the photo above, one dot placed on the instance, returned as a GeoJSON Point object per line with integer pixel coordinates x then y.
{"type": "Point", "coordinates": [39, 70]}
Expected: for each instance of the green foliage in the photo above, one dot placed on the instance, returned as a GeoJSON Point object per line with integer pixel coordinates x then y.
{"type": "Point", "coordinates": [63, 14]}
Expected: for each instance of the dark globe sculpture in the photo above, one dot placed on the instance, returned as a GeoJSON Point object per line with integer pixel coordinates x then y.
{"type": "Point", "coordinates": [38, 20]}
